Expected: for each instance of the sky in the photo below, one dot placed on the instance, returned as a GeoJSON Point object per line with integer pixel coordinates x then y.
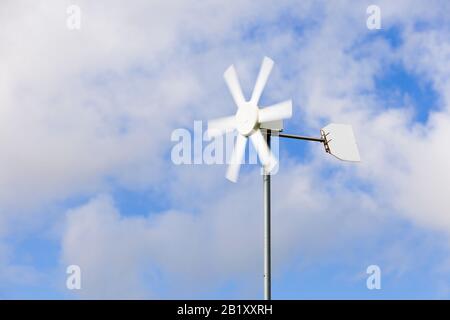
{"type": "Point", "coordinates": [87, 178]}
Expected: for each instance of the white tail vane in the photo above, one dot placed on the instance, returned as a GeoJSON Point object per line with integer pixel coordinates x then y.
{"type": "Point", "coordinates": [340, 142]}
{"type": "Point", "coordinates": [248, 119]}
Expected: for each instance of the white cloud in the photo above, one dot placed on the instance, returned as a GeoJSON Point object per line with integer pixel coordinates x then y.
{"type": "Point", "coordinates": [188, 254]}
{"type": "Point", "coordinates": [107, 249]}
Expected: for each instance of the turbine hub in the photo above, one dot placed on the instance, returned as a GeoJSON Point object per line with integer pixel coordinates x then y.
{"type": "Point", "coordinates": [247, 119]}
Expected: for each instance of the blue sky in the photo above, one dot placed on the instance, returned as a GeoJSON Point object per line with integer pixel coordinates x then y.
{"type": "Point", "coordinates": [88, 178]}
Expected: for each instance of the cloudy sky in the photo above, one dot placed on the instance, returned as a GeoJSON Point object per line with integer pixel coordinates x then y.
{"type": "Point", "coordinates": [86, 176]}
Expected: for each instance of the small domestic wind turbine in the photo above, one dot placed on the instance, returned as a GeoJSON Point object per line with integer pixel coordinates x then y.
{"type": "Point", "coordinates": [338, 140]}
{"type": "Point", "coordinates": [249, 119]}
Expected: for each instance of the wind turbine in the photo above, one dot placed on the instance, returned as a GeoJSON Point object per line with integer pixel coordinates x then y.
{"type": "Point", "coordinates": [250, 120]}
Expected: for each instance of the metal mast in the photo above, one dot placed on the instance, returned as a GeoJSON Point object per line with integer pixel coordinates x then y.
{"type": "Point", "coordinates": [267, 257]}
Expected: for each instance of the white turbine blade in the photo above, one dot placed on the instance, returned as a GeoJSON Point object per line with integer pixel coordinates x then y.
{"type": "Point", "coordinates": [234, 86]}
{"type": "Point", "coordinates": [265, 155]}
{"type": "Point", "coordinates": [282, 110]}
{"type": "Point", "coordinates": [263, 75]}
{"type": "Point", "coordinates": [220, 126]}
{"type": "Point", "coordinates": [236, 158]}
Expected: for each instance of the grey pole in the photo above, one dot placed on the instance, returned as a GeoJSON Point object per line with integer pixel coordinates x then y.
{"type": "Point", "coordinates": [267, 266]}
